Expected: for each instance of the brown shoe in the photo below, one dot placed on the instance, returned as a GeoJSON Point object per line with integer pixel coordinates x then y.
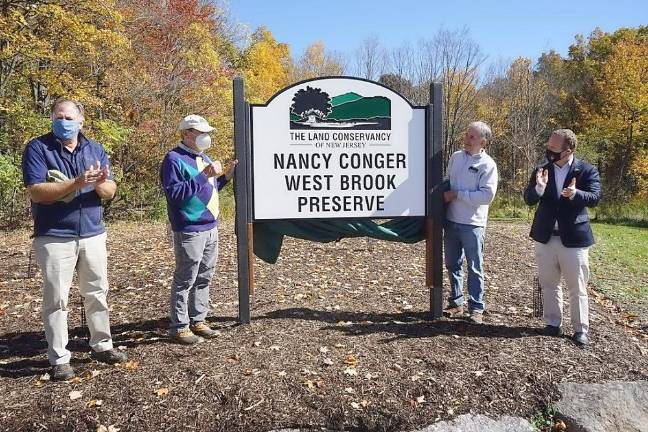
{"type": "Point", "coordinates": [185, 337]}
{"type": "Point", "coordinates": [476, 317]}
{"type": "Point", "coordinates": [202, 329]}
{"type": "Point", "coordinates": [453, 310]}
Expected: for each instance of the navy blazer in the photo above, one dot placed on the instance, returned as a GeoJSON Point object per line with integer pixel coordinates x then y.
{"type": "Point", "coordinates": [573, 220]}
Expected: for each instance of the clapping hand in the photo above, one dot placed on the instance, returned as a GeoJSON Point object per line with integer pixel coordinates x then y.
{"type": "Point", "coordinates": [214, 169]}
{"type": "Point", "coordinates": [570, 190]}
{"type": "Point", "coordinates": [93, 175]}
{"type": "Point", "coordinates": [542, 177]}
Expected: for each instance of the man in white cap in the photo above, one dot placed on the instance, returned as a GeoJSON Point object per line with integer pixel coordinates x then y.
{"type": "Point", "coordinates": [191, 182]}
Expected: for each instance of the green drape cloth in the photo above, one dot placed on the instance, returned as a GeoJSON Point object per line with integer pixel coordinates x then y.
{"type": "Point", "coordinates": [268, 236]}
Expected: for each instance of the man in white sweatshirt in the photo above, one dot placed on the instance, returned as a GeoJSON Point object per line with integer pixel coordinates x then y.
{"type": "Point", "coordinates": [473, 183]}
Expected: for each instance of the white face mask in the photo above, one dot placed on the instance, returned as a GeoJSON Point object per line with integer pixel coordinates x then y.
{"type": "Point", "coordinates": [203, 142]}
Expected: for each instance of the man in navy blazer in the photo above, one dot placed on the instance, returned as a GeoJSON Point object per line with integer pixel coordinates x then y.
{"type": "Point", "coordinates": [563, 188]}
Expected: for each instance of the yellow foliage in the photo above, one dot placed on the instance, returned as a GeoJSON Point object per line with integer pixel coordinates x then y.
{"type": "Point", "coordinates": [267, 66]}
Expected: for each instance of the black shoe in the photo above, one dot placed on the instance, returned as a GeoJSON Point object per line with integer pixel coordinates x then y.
{"type": "Point", "coordinates": [554, 331]}
{"type": "Point", "coordinates": [580, 338]}
{"type": "Point", "coordinates": [111, 356]}
{"type": "Point", "coordinates": [62, 372]}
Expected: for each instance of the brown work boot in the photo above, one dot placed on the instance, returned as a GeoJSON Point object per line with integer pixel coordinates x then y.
{"type": "Point", "coordinates": [202, 329]}
{"type": "Point", "coordinates": [453, 310]}
{"type": "Point", "coordinates": [185, 337]}
{"type": "Point", "coordinates": [476, 317]}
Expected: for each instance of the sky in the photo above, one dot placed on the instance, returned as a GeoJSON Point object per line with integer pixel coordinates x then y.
{"type": "Point", "coordinates": [504, 29]}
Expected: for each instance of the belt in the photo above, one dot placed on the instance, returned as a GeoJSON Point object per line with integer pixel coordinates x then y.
{"type": "Point", "coordinates": [555, 233]}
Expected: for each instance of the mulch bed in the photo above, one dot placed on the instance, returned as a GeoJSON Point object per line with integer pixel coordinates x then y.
{"type": "Point", "coordinates": [339, 339]}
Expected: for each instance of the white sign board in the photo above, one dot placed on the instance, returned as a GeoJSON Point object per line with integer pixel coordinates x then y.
{"type": "Point", "coordinates": [338, 147]}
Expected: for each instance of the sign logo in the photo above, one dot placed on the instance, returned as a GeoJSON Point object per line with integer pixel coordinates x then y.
{"type": "Point", "coordinates": [313, 108]}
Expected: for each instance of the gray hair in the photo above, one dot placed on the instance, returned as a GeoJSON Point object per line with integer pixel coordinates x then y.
{"type": "Point", "coordinates": [60, 101]}
{"type": "Point", "coordinates": [483, 129]}
{"type": "Point", "coordinates": [569, 138]}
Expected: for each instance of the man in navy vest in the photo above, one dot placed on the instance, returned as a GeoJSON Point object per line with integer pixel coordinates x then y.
{"type": "Point", "coordinates": [67, 176]}
{"type": "Point", "coordinates": [564, 187]}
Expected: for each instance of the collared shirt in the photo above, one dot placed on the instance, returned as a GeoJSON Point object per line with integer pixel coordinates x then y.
{"type": "Point", "coordinates": [560, 174]}
{"type": "Point", "coordinates": [474, 178]}
{"type": "Point", "coordinates": [82, 216]}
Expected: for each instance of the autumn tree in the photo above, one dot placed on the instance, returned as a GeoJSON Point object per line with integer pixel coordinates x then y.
{"type": "Point", "coordinates": [618, 123]}
{"type": "Point", "coordinates": [265, 65]}
{"type": "Point", "coordinates": [317, 62]}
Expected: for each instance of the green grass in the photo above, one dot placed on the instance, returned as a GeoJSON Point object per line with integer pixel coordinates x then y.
{"type": "Point", "coordinates": [619, 261]}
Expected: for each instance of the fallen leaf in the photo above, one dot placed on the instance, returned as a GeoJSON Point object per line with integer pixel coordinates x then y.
{"type": "Point", "coordinates": [350, 371]}
{"type": "Point", "coordinates": [282, 373]}
{"type": "Point", "coordinates": [355, 405]}
{"type": "Point", "coordinates": [161, 391]}
{"type": "Point", "coordinates": [75, 380]}
{"type": "Point", "coordinates": [90, 374]}
{"type": "Point", "coordinates": [351, 361]}
{"type": "Point", "coordinates": [131, 365]}
{"type": "Point", "coordinates": [274, 348]}
{"type": "Point", "coordinates": [560, 426]}
{"type": "Point", "coordinates": [349, 390]}
{"type": "Point", "coordinates": [420, 399]}
{"type": "Point", "coordinates": [310, 384]}
{"type": "Point", "coordinates": [75, 394]}
{"type": "Point", "coordinates": [327, 361]}
{"type": "Point", "coordinates": [94, 403]}
{"type": "Point", "coordinates": [323, 350]}
{"type": "Point", "coordinates": [44, 377]}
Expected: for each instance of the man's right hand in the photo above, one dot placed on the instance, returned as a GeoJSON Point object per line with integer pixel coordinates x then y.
{"type": "Point", "coordinates": [542, 177]}
{"type": "Point", "coordinates": [214, 169]}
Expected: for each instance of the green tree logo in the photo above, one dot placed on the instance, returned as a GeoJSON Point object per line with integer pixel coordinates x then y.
{"type": "Point", "coordinates": [312, 103]}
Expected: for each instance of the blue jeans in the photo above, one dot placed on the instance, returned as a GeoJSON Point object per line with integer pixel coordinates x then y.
{"type": "Point", "coordinates": [468, 240]}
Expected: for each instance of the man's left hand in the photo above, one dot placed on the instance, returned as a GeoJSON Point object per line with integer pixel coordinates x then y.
{"type": "Point", "coordinates": [229, 168]}
{"type": "Point", "coordinates": [104, 173]}
{"type": "Point", "coordinates": [570, 190]}
{"type": "Point", "coordinates": [449, 196]}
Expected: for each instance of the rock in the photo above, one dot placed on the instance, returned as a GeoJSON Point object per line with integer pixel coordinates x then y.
{"type": "Point", "coordinates": [481, 423]}
{"type": "Point", "coordinates": [616, 406]}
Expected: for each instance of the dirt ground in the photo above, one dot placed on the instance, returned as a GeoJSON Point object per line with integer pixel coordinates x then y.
{"type": "Point", "coordinates": [340, 339]}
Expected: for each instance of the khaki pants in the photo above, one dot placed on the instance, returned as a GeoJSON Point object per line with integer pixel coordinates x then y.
{"type": "Point", "coordinates": [57, 258]}
{"type": "Point", "coordinates": [554, 260]}
{"type": "Point", "coordinates": [196, 254]}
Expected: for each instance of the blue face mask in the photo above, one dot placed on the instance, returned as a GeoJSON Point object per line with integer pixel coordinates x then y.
{"type": "Point", "coordinates": [66, 129]}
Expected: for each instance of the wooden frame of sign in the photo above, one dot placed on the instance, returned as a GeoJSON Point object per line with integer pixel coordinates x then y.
{"type": "Point", "coordinates": [333, 148]}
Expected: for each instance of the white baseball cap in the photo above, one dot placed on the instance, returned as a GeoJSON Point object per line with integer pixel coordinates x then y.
{"type": "Point", "coordinates": [194, 121]}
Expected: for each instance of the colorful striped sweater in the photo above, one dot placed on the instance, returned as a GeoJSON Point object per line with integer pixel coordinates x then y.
{"type": "Point", "coordinates": [192, 197]}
